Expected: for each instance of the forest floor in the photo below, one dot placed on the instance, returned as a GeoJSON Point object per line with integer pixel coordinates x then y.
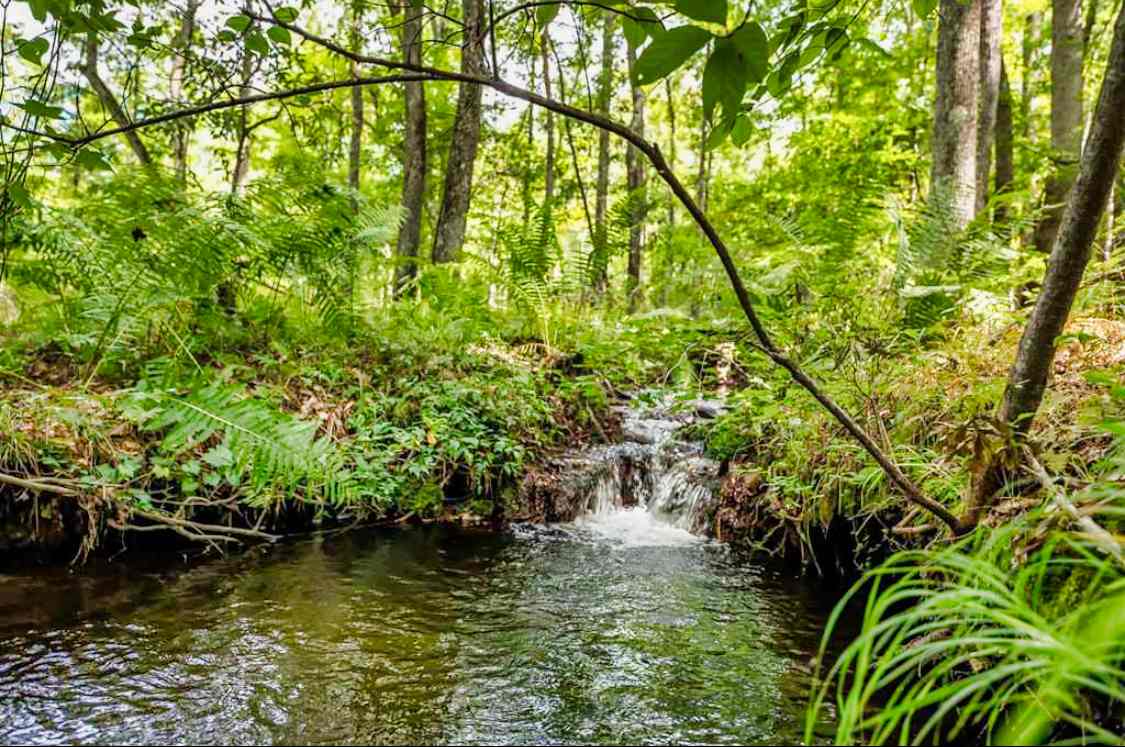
{"type": "Point", "coordinates": [223, 447]}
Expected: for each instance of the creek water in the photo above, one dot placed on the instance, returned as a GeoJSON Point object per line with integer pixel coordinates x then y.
{"type": "Point", "coordinates": [621, 627]}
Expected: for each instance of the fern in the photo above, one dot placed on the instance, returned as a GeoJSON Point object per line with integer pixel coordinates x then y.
{"type": "Point", "coordinates": [275, 451]}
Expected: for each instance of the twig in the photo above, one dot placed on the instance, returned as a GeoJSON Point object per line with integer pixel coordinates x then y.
{"type": "Point", "coordinates": [1098, 534]}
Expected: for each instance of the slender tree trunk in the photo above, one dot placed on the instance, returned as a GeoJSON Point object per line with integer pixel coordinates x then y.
{"type": "Point", "coordinates": [242, 144]}
{"type": "Point", "coordinates": [1066, 115]}
{"type": "Point", "coordinates": [1071, 253]}
{"type": "Point", "coordinates": [671, 144]}
{"type": "Point", "coordinates": [635, 173]}
{"type": "Point", "coordinates": [600, 239]}
{"type": "Point", "coordinates": [182, 133]}
{"type": "Point", "coordinates": [1031, 29]}
{"type": "Point", "coordinates": [549, 125]}
{"type": "Point", "coordinates": [1005, 163]}
{"type": "Point", "coordinates": [449, 232]}
{"type": "Point", "coordinates": [991, 32]}
{"type": "Point", "coordinates": [109, 101]}
{"type": "Point", "coordinates": [703, 172]}
{"type": "Point", "coordinates": [955, 109]}
{"type": "Point", "coordinates": [355, 147]}
{"type": "Point", "coordinates": [1110, 223]}
{"type": "Point", "coordinates": [414, 156]}
{"type": "Point", "coordinates": [569, 134]}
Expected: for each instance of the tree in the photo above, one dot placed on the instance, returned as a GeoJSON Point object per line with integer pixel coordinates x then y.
{"type": "Point", "coordinates": [109, 100]}
{"type": "Point", "coordinates": [241, 166]}
{"type": "Point", "coordinates": [955, 108]}
{"type": "Point", "coordinates": [1070, 254]}
{"type": "Point", "coordinates": [1066, 115]}
{"type": "Point", "coordinates": [635, 184]}
{"type": "Point", "coordinates": [991, 31]}
{"type": "Point", "coordinates": [182, 46]}
{"type": "Point", "coordinates": [449, 231]}
{"type": "Point", "coordinates": [1005, 164]}
{"type": "Point", "coordinates": [413, 156]}
{"type": "Point", "coordinates": [355, 146]}
{"type": "Point", "coordinates": [601, 198]}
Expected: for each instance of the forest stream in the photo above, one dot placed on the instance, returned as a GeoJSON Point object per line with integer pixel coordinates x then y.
{"type": "Point", "coordinates": [619, 627]}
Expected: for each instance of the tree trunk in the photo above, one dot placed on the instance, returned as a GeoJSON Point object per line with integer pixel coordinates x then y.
{"type": "Point", "coordinates": [449, 232]}
{"type": "Point", "coordinates": [109, 101]}
{"type": "Point", "coordinates": [182, 132]}
{"type": "Point", "coordinates": [1031, 30]}
{"type": "Point", "coordinates": [601, 199]}
{"type": "Point", "coordinates": [1005, 164]}
{"type": "Point", "coordinates": [414, 156]}
{"type": "Point", "coordinates": [355, 147]}
{"type": "Point", "coordinates": [991, 32]}
{"type": "Point", "coordinates": [635, 174]}
{"type": "Point", "coordinates": [671, 144]}
{"type": "Point", "coordinates": [955, 109]}
{"type": "Point", "coordinates": [242, 144]}
{"type": "Point", "coordinates": [1071, 253]}
{"type": "Point", "coordinates": [549, 125]}
{"type": "Point", "coordinates": [703, 174]}
{"type": "Point", "coordinates": [1066, 115]}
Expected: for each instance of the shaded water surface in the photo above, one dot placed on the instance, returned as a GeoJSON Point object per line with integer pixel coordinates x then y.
{"type": "Point", "coordinates": [616, 629]}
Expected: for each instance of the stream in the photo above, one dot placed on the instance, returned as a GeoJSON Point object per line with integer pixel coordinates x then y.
{"type": "Point", "coordinates": [619, 627]}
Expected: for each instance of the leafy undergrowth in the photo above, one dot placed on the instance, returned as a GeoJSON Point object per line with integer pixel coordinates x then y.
{"type": "Point", "coordinates": [798, 485]}
{"type": "Point", "coordinates": [427, 419]}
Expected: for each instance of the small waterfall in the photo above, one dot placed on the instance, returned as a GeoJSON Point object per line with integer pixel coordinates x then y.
{"type": "Point", "coordinates": [654, 487]}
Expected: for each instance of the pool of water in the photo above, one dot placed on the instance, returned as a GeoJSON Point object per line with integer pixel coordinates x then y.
{"type": "Point", "coordinates": [617, 629]}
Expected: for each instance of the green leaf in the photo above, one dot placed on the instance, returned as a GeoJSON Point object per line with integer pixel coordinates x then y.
{"type": "Point", "coordinates": [711, 11]}
{"type": "Point", "coordinates": [724, 80]}
{"type": "Point", "coordinates": [38, 9]}
{"type": "Point", "coordinates": [755, 48]}
{"type": "Point", "coordinates": [285, 15]}
{"type": "Point", "coordinates": [718, 134]}
{"type": "Point", "coordinates": [89, 158]}
{"type": "Point", "coordinates": [742, 130]}
{"type": "Point", "coordinates": [219, 456]}
{"type": "Point", "coordinates": [39, 109]}
{"type": "Point", "coordinates": [544, 14]}
{"type": "Point", "coordinates": [635, 34]}
{"type": "Point", "coordinates": [279, 35]}
{"type": "Point", "coordinates": [669, 51]}
{"type": "Point", "coordinates": [226, 35]}
{"type": "Point", "coordinates": [239, 23]}
{"type": "Point", "coordinates": [19, 196]}
{"type": "Point", "coordinates": [33, 50]}
{"type": "Point", "coordinates": [257, 43]}
{"type": "Point", "coordinates": [923, 8]}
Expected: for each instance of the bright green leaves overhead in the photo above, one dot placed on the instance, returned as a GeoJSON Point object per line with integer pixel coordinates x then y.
{"type": "Point", "coordinates": [724, 80]}
{"type": "Point", "coordinates": [544, 14]}
{"type": "Point", "coordinates": [285, 15]}
{"type": "Point", "coordinates": [40, 109]}
{"type": "Point", "coordinates": [34, 49]}
{"type": "Point", "coordinates": [709, 11]}
{"type": "Point", "coordinates": [668, 51]}
{"type": "Point", "coordinates": [279, 35]}
{"type": "Point", "coordinates": [755, 49]}
{"type": "Point", "coordinates": [640, 25]}
{"type": "Point", "coordinates": [924, 7]}
{"type": "Point", "coordinates": [239, 23]}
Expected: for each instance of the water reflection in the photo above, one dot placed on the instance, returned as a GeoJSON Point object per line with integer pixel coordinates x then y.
{"type": "Point", "coordinates": [417, 636]}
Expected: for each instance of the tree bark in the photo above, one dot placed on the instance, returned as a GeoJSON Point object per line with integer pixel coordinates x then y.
{"type": "Point", "coordinates": [1066, 115]}
{"type": "Point", "coordinates": [1031, 29]}
{"type": "Point", "coordinates": [449, 232]}
{"type": "Point", "coordinates": [109, 101]}
{"type": "Point", "coordinates": [600, 238]}
{"type": "Point", "coordinates": [635, 175]}
{"type": "Point", "coordinates": [671, 144]}
{"type": "Point", "coordinates": [355, 147]}
{"type": "Point", "coordinates": [548, 125]}
{"type": "Point", "coordinates": [182, 133]}
{"type": "Point", "coordinates": [955, 108]}
{"type": "Point", "coordinates": [242, 144]}
{"type": "Point", "coordinates": [991, 32]}
{"type": "Point", "coordinates": [1072, 249]}
{"type": "Point", "coordinates": [414, 156]}
{"type": "Point", "coordinates": [703, 174]}
{"type": "Point", "coordinates": [1005, 163]}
